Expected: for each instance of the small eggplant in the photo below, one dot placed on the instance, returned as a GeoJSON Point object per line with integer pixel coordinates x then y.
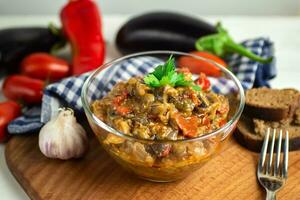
{"type": "Point", "coordinates": [161, 31]}
{"type": "Point", "coordinates": [16, 43]}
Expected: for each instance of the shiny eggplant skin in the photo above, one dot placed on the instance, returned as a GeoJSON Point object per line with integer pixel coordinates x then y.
{"type": "Point", "coordinates": [161, 31]}
{"type": "Point", "coordinates": [16, 43]}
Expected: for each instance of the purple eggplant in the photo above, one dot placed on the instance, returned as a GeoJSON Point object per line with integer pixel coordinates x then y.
{"type": "Point", "coordinates": [16, 43]}
{"type": "Point", "coordinates": [161, 31]}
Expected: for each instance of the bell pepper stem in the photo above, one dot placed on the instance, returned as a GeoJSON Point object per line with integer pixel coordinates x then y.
{"type": "Point", "coordinates": [54, 29]}
{"type": "Point", "coordinates": [237, 48]}
{"type": "Point", "coordinates": [198, 45]}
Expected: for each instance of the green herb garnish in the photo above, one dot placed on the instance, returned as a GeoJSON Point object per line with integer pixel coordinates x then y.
{"type": "Point", "coordinates": [166, 75]}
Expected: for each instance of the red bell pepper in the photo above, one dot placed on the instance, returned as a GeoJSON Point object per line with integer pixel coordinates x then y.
{"type": "Point", "coordinates": [83, 28]}
{"type": "Point", "coordinates": [9, 110]}
{"type": "Point", "coordinates": [44, 66]}
{"type": "Point", "coordinates": [23, 88]}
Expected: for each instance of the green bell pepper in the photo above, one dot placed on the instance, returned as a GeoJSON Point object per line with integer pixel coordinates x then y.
{"type": "Point", "coordinates": [221, 44]}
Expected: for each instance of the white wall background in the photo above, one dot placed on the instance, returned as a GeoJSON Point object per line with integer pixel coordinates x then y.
{"type": "Point", "coordinates": [200, 7]}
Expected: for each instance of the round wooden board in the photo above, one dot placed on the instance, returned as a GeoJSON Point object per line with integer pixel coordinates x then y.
{"type": "Point", "coordinates": [230, 175]}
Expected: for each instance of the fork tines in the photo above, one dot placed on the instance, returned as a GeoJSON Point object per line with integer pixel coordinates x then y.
{"type": "Point", "coordinates": [275, 170]}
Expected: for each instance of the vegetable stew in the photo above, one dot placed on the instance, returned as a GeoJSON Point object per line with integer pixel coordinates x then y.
{"type": "Point", "coordinates": [160, 113]}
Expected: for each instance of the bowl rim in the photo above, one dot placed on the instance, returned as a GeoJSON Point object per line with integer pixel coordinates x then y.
{"type": "Point", "coordinates": [110, 129]}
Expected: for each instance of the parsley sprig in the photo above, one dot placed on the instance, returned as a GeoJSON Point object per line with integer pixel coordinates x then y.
{"type": "Point", "coordinates": [166, 75]}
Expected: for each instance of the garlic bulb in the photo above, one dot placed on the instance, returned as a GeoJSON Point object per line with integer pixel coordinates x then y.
{"type": "Point", "coordinates": [62, 137]}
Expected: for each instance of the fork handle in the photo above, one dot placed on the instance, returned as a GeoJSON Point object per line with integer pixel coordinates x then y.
{"type": "Point", "coordinates": [271, 195]}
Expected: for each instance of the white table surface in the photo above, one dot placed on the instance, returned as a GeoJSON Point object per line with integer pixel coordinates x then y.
{"type": "Point", "coordinates": [284, 31]}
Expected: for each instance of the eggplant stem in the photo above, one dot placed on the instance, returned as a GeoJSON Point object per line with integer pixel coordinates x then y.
{"type": "Point", "coordinates": [57, 32]}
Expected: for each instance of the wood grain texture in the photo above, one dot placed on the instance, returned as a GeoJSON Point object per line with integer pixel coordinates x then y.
{"type": "Point", "coordinates": [230, 175]}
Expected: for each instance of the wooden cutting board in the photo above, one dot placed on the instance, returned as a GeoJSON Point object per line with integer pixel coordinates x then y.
{"type": "Point", "coordinates": [230, 175]}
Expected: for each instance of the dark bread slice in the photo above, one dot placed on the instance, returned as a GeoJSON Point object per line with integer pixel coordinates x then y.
{"type": "Point", "coordinates": [297, 117]}
{"type": "Point", "coordinates": [261, 126]}
{"type": "Point", "coordinates": [246, 135]}
{"type": "Point", "coordinates": [271, 104]}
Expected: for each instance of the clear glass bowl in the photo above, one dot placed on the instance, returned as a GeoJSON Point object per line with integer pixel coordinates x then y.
{"type": "Point", "coordinates": [187, 155]}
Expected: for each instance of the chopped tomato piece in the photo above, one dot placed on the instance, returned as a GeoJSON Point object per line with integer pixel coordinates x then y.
{"type": "Point", "coordinates": [188, 125]}
{"type": "Point", "coordinates": [222, 122]}
{"type": "Point", "coordinates": [117, 100]}
{"type": "Point", "coordinates": [205, 120]}
{"type": "Point", "coordinates": [161, 150]}
{"type": "Point", "coordinates": [165, 152]}
{"type": "Point", "coordinates": [123, 110]}
{"type": "Point", "coordinates": [120, 98]}
{"type": "Point", "coordinates": [203, 82]}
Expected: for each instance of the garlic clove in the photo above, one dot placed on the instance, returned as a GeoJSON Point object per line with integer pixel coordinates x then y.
{"type": "Point", "coordinates": [62, 137]}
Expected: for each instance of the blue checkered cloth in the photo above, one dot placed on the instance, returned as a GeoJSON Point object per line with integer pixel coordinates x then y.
{"type": "Point", "coordinates": [67, 92]}
{"type": "Point", "coordinates": [252, 73]}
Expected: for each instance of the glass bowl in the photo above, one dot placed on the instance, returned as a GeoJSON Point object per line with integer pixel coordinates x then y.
{"type": "Point", "coordinates": [187, 155]}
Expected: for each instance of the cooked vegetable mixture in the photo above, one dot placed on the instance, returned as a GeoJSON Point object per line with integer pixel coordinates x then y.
{"type": "Point", "coordinates": [173, 107]}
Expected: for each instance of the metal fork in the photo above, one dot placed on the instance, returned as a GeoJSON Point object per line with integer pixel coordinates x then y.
{"type": "Point", "coordinates": [272, 176]}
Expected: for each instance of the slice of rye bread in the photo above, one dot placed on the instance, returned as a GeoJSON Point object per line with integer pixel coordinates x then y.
{"type": "Point", "coordinates": [297, 117]}
{"type": "Point", "coordinates": [250, 132]}
{"type": "Point", "coordinates": [271, 104]}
